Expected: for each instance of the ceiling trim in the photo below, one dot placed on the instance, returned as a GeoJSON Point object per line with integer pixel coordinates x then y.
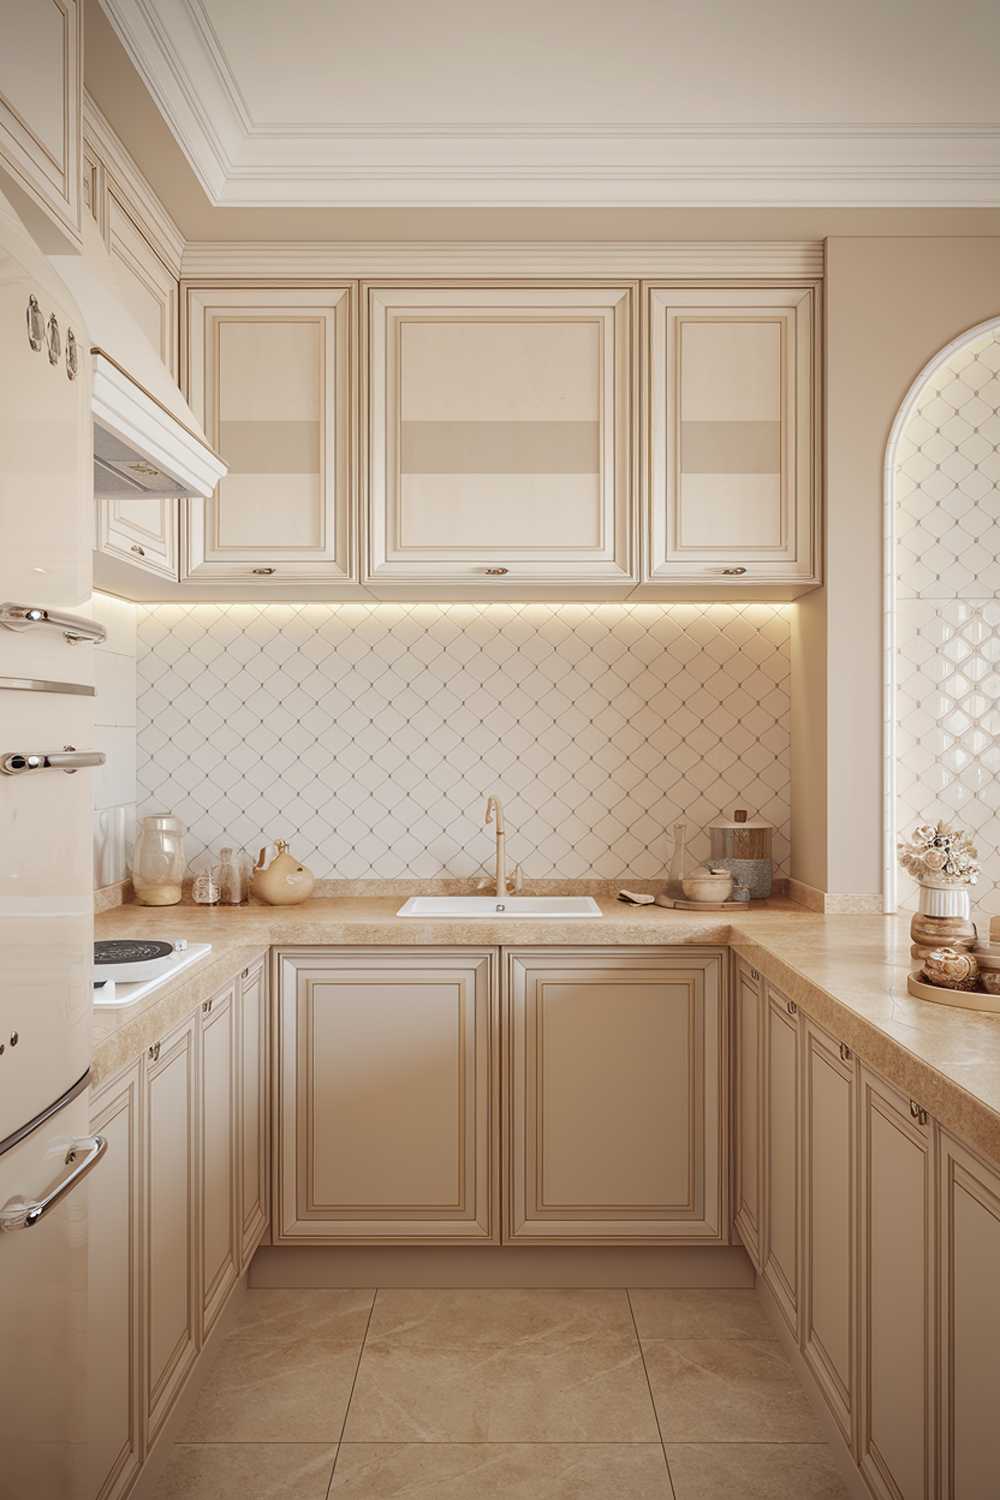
{"type": "Point", "coordinates": [240, 162]}
{"type": "Point", "coordinates": [784, 260]}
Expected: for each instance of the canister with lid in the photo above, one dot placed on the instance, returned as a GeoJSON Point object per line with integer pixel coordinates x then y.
{"type": "Point", "coordinates": [744, 846]}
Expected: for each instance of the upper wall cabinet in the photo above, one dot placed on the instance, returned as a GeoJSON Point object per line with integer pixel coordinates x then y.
{"type": "Point", "coordinates": [147, 285]}
{"type": "Point", "coordinates": [268, 372]}
{"type": "Point", "coordinates": [732, 445]}
{"type": "Point", "coordinates": [499, 437]}
{"type": "Point", "coordinates": [41, 77]}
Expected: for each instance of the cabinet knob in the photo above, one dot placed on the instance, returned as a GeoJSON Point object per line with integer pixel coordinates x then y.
{"type": "Point", "coordinates": [154, 1052]}
{"type": "Point", "coordinates": [495, 572]}
{"type": "Point", "coordinates": [139, 551]}
{"type": "Point", "coordinates": [263, 572]}
{"type": "Point", "coordinates": [246, 973]}
{"type": "Point", "coordinates": [918, 1112]}
{"type": "Point", "coordinates": [845, 1052]}
{"type": "Point", "coordinates": [754, 973]}
{"type": "Point", "coordinates": [206, 1006]}
{"type": "Point", "coordinates": [732, 572]}
{"type": "Point", "coordinates": [791, 1007]}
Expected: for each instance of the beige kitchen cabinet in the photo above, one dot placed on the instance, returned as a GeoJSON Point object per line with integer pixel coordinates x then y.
{"type": "Point", "coordinates": [499, 444]}
{"type": "Point", "coordinates": [41, 92]}
{"type": "Point", "coordinates": [969, 1231]}
{"type": "Point", "coordinates": [269, 372]}
{"type": "Point", "coordinates": [147, 286]}
{"type": "Point", "coordinates": [781, 1236]}
{"type": "Point", "coordinates": [254, 1092]}
{"type": "Point", "coordinates": [114, 1428]}
{"type": "Point", "coordinates": [829, 1337]}
{"type": "Point", "coordinates": [614, 1096]}
{"type": "Point", "coordinates": [748, 1028]}
{"type": "Point", "coordinates": [220, 1244]}
{"type": "Point", "coordinates": [170, 1259]}
{"type": "Point", "coordinates": [732, 438]}
{"type": "Point", "coordinates": [142, 532]}
{"type": "Point", "coordinates": [896, 1211]}
{"type": "Point", "coordinates": [388, 1117]}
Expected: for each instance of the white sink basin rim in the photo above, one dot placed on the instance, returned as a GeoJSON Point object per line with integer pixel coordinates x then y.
{"type": "Point", "coordinates": [499, 907]}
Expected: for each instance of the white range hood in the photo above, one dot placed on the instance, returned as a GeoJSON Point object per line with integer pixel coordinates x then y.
{"type": "Point", "coordinates": [147, 441]}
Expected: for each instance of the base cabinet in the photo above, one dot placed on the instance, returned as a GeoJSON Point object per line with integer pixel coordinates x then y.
{"type": "Point", "coordinates": [387, 1097]}
{"type": "Point", "coordinates": [828, 1220]}
{"type": "Point", "coordinates": [748, 1036]}
{"type": "Point", "coordinates": [170, 1214]}
{"type": "Point", "coordinates": [896, 1294]}
{"type": "Point", "coordinates": [781, 1238]}
{"type": "Point", "coordinates": [614, 1096]}
{"type": "Point", "coordinates": [114, 1427]}
{"type": "Point", "coordinates": [970, 1324]}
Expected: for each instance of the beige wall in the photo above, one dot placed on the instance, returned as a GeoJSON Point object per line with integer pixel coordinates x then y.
{"type": "Point", "coordinates": [891, 304]}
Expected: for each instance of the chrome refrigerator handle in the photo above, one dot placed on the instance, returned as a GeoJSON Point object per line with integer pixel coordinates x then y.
{"type": "Point", "coordinates": [74, 627]}
{"type": "Point", "coordinates": [82, 1156]}
{"type": "Point", "coordinates": [18, 762]}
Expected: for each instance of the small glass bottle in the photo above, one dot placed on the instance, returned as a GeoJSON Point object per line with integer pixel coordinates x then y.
{"type": "Point", "coordinates": [205, 890]}
{"type": "Point", "coordinates": [158, 861]}
{"type": "Point", "coordinates": [232, 877]}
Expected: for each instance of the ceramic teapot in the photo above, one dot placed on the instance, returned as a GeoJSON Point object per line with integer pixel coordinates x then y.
{"type": "Point", "coordinates": [284, 882]}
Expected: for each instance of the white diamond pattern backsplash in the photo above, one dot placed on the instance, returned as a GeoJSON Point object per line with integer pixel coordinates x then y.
{"type": "Point", "coordinates": [369, 736]}
{"type": "Point", "coordinates": [947, 611]}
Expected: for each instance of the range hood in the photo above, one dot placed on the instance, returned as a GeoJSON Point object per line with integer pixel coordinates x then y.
{"type": "Point", "coordinates": [147, 441]}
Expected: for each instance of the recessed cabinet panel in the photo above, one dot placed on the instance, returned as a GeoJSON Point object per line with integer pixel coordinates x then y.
{"type": "Point", "coordinates": [254, 1034]}
{"type": "Point", "coordinates": [748, 1025]}
{"type": "Point", "coordinates": [970, 1324]}
{"type": "Point", "coordinates": [828, 1147]}
{"type": "Point", "coordinates": [499, 435]}
{"type": "Point", "coordinates": [147, 287]}
{"type": "Point", "coordinates": [731, 486]}
{"type": "Point", "coordinates": [114, 1442]}
{"type": "Point", "coordinates": [142, 532]}
{"type": "Point", "coordinates": [170, 1202]}
{"type": "Point", "coordinates": [220, 1250]}
{"type": "Point", "coordinates": [896, 1409]}
{"type": "Point", "coordinates": [269, 374]}
{"type": "Point", "coordinates": [613, 1096]}
{"type": "Point", "coordinates": [388, 1113]}
{"type": "Point", "coordinates": [781, 1243]}
{"type": "Point", "coordinates": [40, 118]}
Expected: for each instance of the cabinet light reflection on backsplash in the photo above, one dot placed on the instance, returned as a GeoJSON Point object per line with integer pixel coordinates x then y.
{"type": "Point", "coordinates": [370, 734]}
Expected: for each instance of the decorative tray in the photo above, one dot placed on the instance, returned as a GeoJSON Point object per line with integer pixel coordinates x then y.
{"type": "Point", "coordinates": [966, 999]}
{"type": "Point", "coordinates": [681, 905]}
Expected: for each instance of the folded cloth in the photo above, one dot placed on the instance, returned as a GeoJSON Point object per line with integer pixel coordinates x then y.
{"type": "Point", "coordinates": [636, 898]}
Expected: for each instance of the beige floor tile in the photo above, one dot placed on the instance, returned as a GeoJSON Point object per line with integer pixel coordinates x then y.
{"type": "Point", "coordinates": [754, 1471]}
{"type": "Point", "coordinates": [284, 1374]}
{"type": "Point", "coordinates": [501, 1366]}
{"type": "Point", "coordinates": [513, 1471]}
{"type": "Point", "coordinates": [717, 1314]}
{"type": "Point", "coordinates": [247, 1471]}
{"type": "Point", "coordinates": [727, 1391]}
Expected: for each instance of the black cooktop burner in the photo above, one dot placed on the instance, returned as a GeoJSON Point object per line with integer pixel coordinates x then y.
{"type": "Point", "coordinates": [129, 951]}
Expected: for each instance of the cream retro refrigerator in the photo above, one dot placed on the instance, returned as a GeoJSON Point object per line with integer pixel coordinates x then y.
{"type": "Point", "coordinates": [47, 765]}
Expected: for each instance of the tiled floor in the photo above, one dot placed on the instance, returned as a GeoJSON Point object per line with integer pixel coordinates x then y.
{"type": "Point", "coordinates": [528, 1395]}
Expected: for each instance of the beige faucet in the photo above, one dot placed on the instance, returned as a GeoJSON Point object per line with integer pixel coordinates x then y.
{"type": "Point", "coordinates": [494, 813]}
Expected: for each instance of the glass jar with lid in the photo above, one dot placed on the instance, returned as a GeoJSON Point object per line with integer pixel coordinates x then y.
{"type": "Point", "coordinates": [744, 846]}
{"type": "Point", "coordinates": [158, 862]}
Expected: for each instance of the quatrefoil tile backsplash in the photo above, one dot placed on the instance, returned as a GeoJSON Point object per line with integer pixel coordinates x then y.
{"type": "Point", "coordinates": [370, 735]}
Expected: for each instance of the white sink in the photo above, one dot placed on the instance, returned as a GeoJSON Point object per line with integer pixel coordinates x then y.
{"type": "Point", "coordinates": [500, 906]}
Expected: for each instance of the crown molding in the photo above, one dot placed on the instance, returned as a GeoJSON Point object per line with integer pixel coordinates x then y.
{"type": "Point", "coordinates": [243, 163]}
{"type": "Point", "coordinates": [155, 220]}
{"type": "Point", "coordinates": [779, 260]}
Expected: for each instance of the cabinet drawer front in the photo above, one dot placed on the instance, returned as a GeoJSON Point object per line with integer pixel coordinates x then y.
{"type": "Point", "coordinates": [388, 1097]}
{"type": "Point", "coordinates": [732, 434]}
{"type": "Point", "coordinates": [499, 434]}
{"type": "Point", "coordinates": [613, 1097]}
{"type": "Point", "coordinates": [269, 373]}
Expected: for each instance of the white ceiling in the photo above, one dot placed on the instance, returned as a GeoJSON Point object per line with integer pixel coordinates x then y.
{"type": "Point", "coordinates": [583, 102]}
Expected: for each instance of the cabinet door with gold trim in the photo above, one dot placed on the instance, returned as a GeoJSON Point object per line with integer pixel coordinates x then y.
{"type": "Point", "coordinates": [499, 436]}
{"type": "Point", "coordinates": [217, 1136]}
{"type": "Point", "coordinates": [387, 1121]}
{"type": "Point", "coordinates": [748, 1027]}
{"type": "Point", "coordinates": [733, 437]}
{"type": "Point", "coordinates": [254, 1100]}
{"type": "Point", "coordinates": [781, 1237]}
{"type": "Point", "coordinates": [41, 102]}
{"type": "Point", "coordinates": [269, 373]}
{"type": "Point", "coordinates": [614, 1096]}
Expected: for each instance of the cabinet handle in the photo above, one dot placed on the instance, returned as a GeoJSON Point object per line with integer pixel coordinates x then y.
{"type": "Point", "coordinates": [732, 572]}
{"type": "Point", "coordinates": [791, 1007]}
{"type": "Point", "coordinates": [246, 974]}
{"type": "Point", "coordinates": [54, 340]}
{"type": "Point", "coordinates": [495, 572]}
{"type": "Point", "coordinates": [206, 1006]}
{"type": "Point", "coordinates": [139, 551]}
{"type": "Point", "coordinates": [36, 325]}
{"type": "Point", "coordinates": [72, 355]}
{"type": "Point", "coordinates": [918, 1112]}
{"type": "Point", "coordinates": [263, 572]}
{"type": "Point", "coordinates": [754, 974]}
{"type": "Point", "coordinates": [154, 1052]}
{"type": "Point", "coordinates": [845, 1052]}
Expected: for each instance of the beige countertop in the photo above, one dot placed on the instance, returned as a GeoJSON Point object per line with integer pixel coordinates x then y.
{"type": "Point", "coordinates": [847, 972]}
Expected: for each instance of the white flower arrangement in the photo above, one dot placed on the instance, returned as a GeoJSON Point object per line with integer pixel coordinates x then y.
{"type": "Point", "coordinates": [936, 851]}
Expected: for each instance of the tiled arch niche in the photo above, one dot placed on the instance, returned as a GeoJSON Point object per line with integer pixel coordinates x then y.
{"type": "Point", "coordinates": [943, 473]}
